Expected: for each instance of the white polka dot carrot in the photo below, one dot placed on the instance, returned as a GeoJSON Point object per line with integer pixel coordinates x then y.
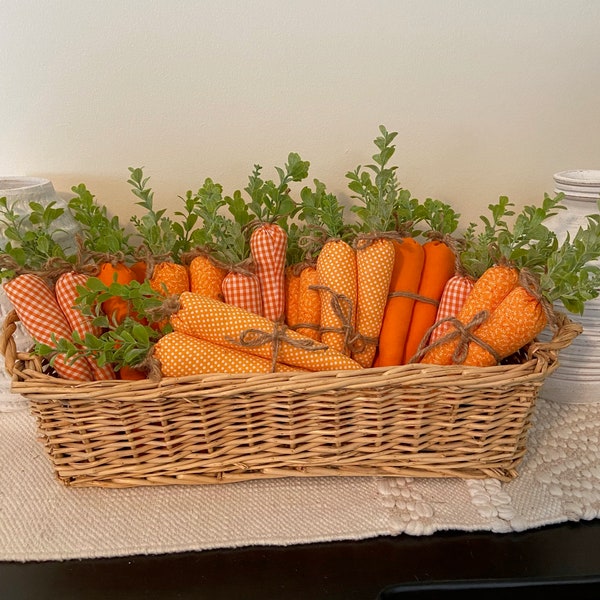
{"type": "Point", "coordinates": [375, 262]}
{"type": "Point", "coordinates": [233, 327]}
{"type": "Point", "coordinates": [181, 355]}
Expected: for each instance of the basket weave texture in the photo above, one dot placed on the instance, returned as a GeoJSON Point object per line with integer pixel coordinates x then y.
{"type": "Point", "coordinates": [407, 421]}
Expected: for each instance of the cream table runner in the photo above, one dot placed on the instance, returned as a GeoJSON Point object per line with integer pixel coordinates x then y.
{"type": "Point", "coordinates": [42, 520]}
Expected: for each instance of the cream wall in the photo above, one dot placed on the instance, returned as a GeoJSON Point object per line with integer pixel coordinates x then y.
{"type": "Point", "coordinates": [489, 97]}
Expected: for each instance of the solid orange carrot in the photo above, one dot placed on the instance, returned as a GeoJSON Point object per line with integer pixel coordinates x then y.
{"type": "Point", "coordinates": [406, 275]}
{"type": "Point", "coordinates": [439, 266]}
{"type": "Point", "coordinates": [116, 309]}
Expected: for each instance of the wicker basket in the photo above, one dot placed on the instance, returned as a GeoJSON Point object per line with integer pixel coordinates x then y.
{"type": "Point", "coordinates": [411, 420]}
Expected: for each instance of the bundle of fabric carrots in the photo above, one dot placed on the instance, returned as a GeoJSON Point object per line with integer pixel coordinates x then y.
{"type": "Point", "coordinates": [268, 283]}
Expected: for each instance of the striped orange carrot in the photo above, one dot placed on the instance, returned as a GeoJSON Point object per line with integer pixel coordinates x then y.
{"type": "Point", "coordinates": [336, 266]}
{"type": "Point", "coordinates": [66, 293]}
{"type": "Point", "coordinates": [268, 248]}
{"type": "Point", "coordinates": [374, 263]}
{"type": "Point", "coordinates": [487, 294]}
{"type": "Point", "coordinates": [37, 308]}
{"type": "Point", "coordinates": [439, 266]}
{"type": "Point", "coordinates": [242, 289]}
{"type": "Point", "coordinates": [453, 298]}
{"type": "Point", "coordinates": [308, 317]}
{"type": "Point", "coordinates": [517, 320]}
{"type": "Point", "coordinates": [233, 327]}
{"type": "Point", "coordinates": [406, 275]}
{"type": "Point", "coordinates": [181, 355]}
{"type": "Point", "coordinates": [206, 277]}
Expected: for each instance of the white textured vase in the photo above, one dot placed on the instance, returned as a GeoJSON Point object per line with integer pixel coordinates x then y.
{"type": "Point", "coordinates": [577, 380]}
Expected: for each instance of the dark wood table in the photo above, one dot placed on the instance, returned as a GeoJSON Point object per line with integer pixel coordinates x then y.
{"type": "Point", "coordinates": [562, 559]}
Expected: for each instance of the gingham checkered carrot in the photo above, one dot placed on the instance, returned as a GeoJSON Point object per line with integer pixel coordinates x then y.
{"type": "Point", "coordinates": [206, 277]}
{"type": "Point", "coordinates": [487, 294]}
{"type": "Point", "coordinates": [181, 355]}
{"type": "Point", "coordinates": [40, 314]}
{"type": "Point", "coordinates": [242, 289]}
{"type": "Point", "coordinates": [268, 248]}
{"type": "Point", "coordinates": [374, 264]}
{"type": "Point", "coordinates": [336, 266]}
{"type": "Point", "coordinates": [233, 327]}
{"type": "Point", "coordinates": [453, 298]}
{"type": "Point", "coordinates": [66, 295]}
{"type": "Point", "coordinates": [309, 304]}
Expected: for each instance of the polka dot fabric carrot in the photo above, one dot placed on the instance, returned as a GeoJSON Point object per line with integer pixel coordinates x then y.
{"type": "Point", "coordinates": [181, 355]}
{"type": "Point", "coordinates": [375, 263]}
{"type": "Point", "coordinates": [336, 267]}
{"type": "Point", "coordinates": [40, 314]}
{"type": "Point", "coordinates": [226, 325]}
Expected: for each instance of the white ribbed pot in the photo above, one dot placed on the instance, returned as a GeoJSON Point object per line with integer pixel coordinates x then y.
{"type": "Point", "coordinates": [577, 380]}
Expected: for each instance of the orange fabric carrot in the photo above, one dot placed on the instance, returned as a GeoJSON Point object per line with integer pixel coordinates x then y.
{"type": "Point", "coordinates": [453, 298]}
{"type": "Point", "coordinates": [406, 275]}
{"type": "Point", "coordinates": [308, 316]}
{"type": "Point", "coordinates": [487, 294]}
{"type": "Point", "coordinates": [242, 289]}
{"type": "Point", "coordinates": [181, 355]}
{"type": "Point", "coordinates": [206, 277]}
{"type": "Point", "coordinates": [170, 279]}
{"type": "Point", "coordinates": [374, 263]}
{"type": "Point", "coordinates": [233, 327]}
{"type": "Point", "coordinates": [139, 269]}
{"type": "Point", "coordinates": [516, 321]}
{"type": "Point", "coordinates": [40, 314]}
{"type": "Point", "coordinates": [336, 266]}
{"type": "Point", "coordinates": [66, 295]}
{"type": "Point", "coordinates": [292, 287]}
{"type": "Point", "coordinates": [439, 266]}
{"type": "Point", "coordinates": [268, 247]}
{"type": "Point", "coordinates": [116, 309]}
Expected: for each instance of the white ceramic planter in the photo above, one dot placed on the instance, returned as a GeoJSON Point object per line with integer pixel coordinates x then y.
{"type": "Point", "coordinates": [577, 380]}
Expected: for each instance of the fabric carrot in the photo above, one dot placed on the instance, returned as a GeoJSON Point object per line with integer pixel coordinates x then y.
{"type": "Point", "coordinates": [268, 248]}
{"type": "Point", "coordinates": [139, 269]}
{"type": "Point", "coordinates": [438, 267]}
{"type": "Point", "coordinates": [453, 298]}
{"type": "Point", "coordinates": [515, 322]}
{"type": "Point", "coordinates": [170, 279]}
{"type": "Point", "coordinates": [206, 277]}
{"type": "Point", "coordinates": [241, 288]}
{"type": "Point", "coordinates": [116, 309]}
{"type": "Point", "coordinates": [292, 288]}
{"type": "Point", "coordinates": [406, 275]}
{"type": "Point", "coordinates": [336, 266]}
{"type": "Point", "coordinates": [233, 327]}
{"type": "Point", "coordinates": [308, 316]}
{"type": "Point", "coordinates": [487, 294]}
{"type": "Point", "coordinates": [40, 314]}
{"type": "Point", "coordinates": [181, 355]}
{"type": "Point", "coordinates": [374, 264]}
{"type": "Point", "coordinates": [66, 293]}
